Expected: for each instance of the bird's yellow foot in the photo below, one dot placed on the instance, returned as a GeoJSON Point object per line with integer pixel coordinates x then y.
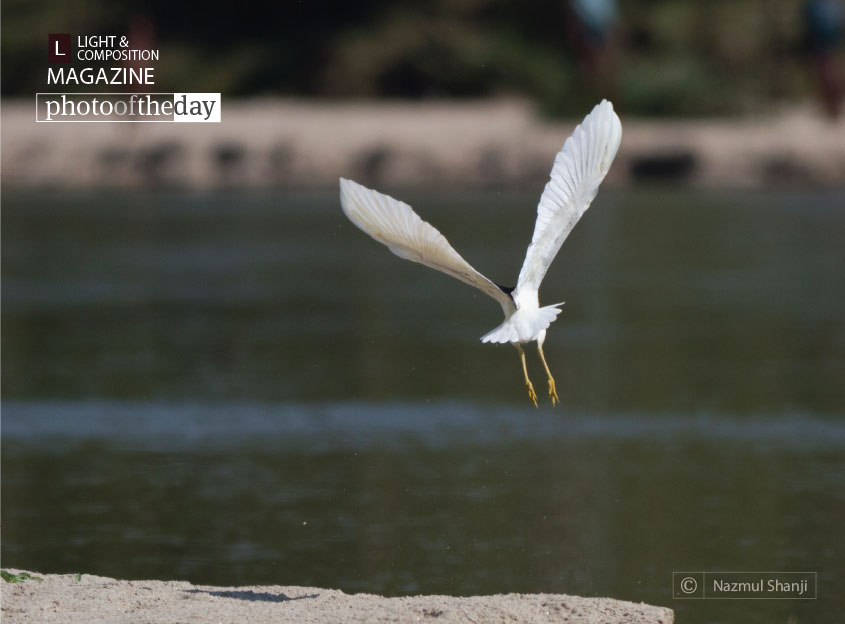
{"type": "Point", "coordinates": [531, 394]}
{"type": "Point", "coordinates": [553, 392]}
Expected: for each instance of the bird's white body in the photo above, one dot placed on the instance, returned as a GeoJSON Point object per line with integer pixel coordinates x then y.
{"type": "Point", "coordinates": [579, 168]}
{"type": "Point", "coordinates": [528, 322]}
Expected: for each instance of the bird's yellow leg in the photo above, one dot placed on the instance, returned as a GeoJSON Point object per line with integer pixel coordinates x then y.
{"type": "Point", "coordinates": [528, 385]}
{"type": "Point", "coordinates": [552, 390]}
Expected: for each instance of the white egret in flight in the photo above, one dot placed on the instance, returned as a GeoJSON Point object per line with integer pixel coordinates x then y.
{"type": "Point", "coordinates": [578, 170]}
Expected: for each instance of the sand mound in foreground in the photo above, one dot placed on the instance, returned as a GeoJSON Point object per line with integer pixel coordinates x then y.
{"type": "Point", "coordinates": [93, 599]}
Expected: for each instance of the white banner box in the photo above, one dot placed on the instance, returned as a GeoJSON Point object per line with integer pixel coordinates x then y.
{"type": "Point", "coordinates": [196, 107]}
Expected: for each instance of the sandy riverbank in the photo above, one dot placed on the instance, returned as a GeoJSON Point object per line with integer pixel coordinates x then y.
{"type": "Point", "coordinates": [61, 598]}
{"type": "Point", "coordinates": [277, 143]}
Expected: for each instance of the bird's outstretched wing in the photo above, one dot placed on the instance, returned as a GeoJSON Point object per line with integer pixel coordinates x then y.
{"type": "Point", "coordinates": [578, 170]}
{"type": "Point", "coordinates": [395, 224]}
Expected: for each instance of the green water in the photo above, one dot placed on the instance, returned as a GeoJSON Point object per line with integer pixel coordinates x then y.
{"type": "Point", "coordinates": [243, 388]}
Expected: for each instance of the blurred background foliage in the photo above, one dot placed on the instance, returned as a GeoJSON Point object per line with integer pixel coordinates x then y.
{"type": "Point", "coordinates": [655, 57]}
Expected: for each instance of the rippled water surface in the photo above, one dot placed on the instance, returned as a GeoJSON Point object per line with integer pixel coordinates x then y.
{"type": "Point", "coordinates": [243, 388]}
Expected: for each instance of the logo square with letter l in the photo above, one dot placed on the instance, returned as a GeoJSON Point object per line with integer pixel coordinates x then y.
{"type": "Point", "coordinates": [59, 50]}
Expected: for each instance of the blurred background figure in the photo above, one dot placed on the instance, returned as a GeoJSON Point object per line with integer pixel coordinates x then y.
{"type": "Point", "coordinates": [591, 31]}
{"type": "Point", "coordinates": [823, 24]}
{"type": "Point", "coordinates": [141, 33]}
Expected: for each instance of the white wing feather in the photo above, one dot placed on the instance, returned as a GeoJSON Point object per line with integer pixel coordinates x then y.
{"type": "Point", "coordinates": [578, 170]}
{"type": "Point", "coordinates": [395, 224]}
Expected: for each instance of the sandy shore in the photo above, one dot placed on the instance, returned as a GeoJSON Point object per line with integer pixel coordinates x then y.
{"type": "Point", "coordinates": [278, 143]}
{"type": "Point", "coordinates": [61, 598]}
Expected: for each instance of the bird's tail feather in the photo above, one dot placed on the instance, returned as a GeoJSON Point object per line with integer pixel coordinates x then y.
{"type": "Point", "coordinates": [523, 325]}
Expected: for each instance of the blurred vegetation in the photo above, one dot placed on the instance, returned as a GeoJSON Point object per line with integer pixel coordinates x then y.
{"type": "Point", "coordinates": [663, 57]}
